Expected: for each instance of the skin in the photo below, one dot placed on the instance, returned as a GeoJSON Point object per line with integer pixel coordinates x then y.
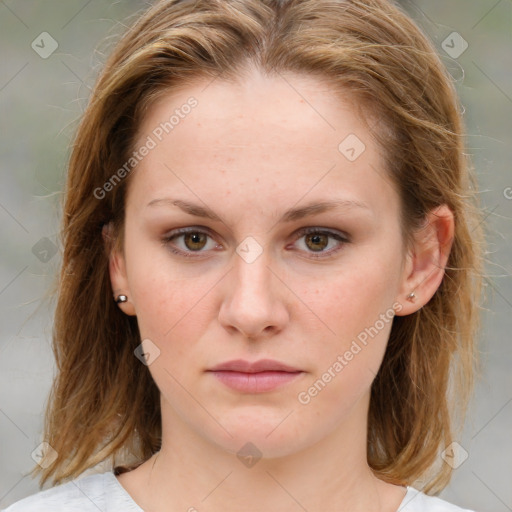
{"type": "Point", "coordinates": [249, 151]}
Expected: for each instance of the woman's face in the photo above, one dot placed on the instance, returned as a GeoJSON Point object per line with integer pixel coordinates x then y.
{"type": "Point", "coordinates": [293, 254]}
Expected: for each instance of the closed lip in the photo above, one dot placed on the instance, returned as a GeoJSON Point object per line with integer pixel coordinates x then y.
{"type": "Point", "coordinates": [263, 365]}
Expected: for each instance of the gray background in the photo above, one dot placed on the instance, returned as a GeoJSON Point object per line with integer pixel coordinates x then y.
{"type": "Point", "coordinates": [41, 101]}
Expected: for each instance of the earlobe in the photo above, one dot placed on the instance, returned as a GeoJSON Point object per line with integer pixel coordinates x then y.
{"type": "Point", "coordinates": [117, 272]}
{"type": "Point", "coordinates": [425, 266]}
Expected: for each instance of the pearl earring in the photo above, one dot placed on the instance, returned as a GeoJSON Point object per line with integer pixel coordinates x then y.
{"type": "Point", "coordinates": [121, 298]}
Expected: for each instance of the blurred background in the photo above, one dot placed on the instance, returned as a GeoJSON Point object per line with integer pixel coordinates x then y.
{"type": "Point", "coordinates": [50, 55]}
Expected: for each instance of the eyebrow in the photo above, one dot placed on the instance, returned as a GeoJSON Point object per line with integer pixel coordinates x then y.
{"type": "Point", "coordinates": [289, 215]}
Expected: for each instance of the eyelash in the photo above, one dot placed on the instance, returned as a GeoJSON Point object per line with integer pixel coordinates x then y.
{"type": "Point", "coordinates": [344, 239]}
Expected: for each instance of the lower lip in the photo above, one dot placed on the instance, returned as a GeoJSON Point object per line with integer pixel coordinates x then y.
{"type": "Point", "coordinates": [255, 382]}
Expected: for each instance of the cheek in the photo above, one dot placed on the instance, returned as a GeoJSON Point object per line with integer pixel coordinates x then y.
{"type": "Point", "coordinates": [170, 310]}
{"type": "Point", "coordinates": [168, 307]}
{"type": "Point", "coordinates": [355, 309]}
{"type": "Point", "coordinates": [352, 298]}
{"type": "Point", "coordinates": [344, 373]}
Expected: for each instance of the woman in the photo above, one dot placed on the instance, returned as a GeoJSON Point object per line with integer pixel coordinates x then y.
{"type": "Point", "coordinates": [271, 269]}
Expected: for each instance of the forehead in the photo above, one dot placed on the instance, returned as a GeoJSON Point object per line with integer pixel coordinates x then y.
{"type": "Point", "coordinates": [267, 138]}
{"type": "Point", "coordinates": [257, 108]}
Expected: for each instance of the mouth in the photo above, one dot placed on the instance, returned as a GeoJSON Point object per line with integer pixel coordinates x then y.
{"type": "Point", "coordinates": [257, 377]}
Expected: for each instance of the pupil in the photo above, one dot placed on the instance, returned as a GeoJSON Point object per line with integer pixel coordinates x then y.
{"type": "Point", "coordinates": [316, 239]}
{"type": "Point", "coordinates": [195, 239]}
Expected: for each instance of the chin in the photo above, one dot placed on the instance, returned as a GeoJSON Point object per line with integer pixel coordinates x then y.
{"type": "Point", "coordinates": [257, 445]}
{"type": "Point", "coordinates": [263, 435]}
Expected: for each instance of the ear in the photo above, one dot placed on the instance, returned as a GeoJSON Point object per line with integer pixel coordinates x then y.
{"type": "Point", "coordinates": [117, 269]}
{"type": "Point", "coordinates": [425, 263]}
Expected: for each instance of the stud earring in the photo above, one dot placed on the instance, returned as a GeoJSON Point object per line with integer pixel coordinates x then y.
{"type": "Point", "coordinates": [411, 297]}
{"type": "Point", "coordinates": [121, 298]}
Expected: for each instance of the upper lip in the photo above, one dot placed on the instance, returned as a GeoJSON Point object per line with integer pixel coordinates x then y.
{"type": "Point", "coordinates": [263, 365]}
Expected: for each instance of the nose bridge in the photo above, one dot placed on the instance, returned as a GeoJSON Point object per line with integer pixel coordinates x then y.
{"type": "Point", "coordinates": [252, 304]}
{"type": "Point", "coordinates": [252, 277]}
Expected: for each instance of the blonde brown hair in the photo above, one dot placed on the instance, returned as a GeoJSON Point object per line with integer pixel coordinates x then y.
{"type": "Point", "coordinates": [104, 403]}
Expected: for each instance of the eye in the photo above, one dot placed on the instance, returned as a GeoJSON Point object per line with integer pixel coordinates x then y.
{"type": "Point", "coordinates": [317, 240]}
{"type": "Point", "coordinates": [194, 241]}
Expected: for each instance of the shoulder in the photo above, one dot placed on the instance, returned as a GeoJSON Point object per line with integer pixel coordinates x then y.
{"type": "Point", "coordinates": [85, 494]}
{"type": "Point", "coordinates": [417, 501]}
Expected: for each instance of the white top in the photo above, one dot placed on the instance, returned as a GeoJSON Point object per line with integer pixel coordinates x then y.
{"type": "Point", "coordinates": [103, 492]}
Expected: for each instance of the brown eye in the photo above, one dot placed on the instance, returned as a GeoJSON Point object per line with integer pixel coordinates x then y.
{"type": "Point", "coordinates": [195, 240]}
{"type": "Point", "coordinates": [318, 241]}
{"type": "Point", "coordinates": [189, 242]}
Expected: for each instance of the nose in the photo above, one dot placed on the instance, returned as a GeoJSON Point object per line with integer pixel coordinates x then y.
{"type": "Point", "coordinates": [254, 303]}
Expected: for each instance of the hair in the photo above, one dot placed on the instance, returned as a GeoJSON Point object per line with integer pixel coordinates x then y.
{"type": "Point", "coordinates": [104, 404]}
